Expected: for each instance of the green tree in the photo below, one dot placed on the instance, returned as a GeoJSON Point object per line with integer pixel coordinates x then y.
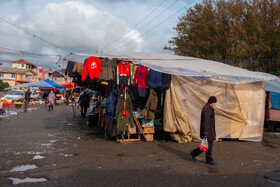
{"type": "Point", "coordinates": [233, 29]}
{"type": "Point", "coordinates": [3, 85]}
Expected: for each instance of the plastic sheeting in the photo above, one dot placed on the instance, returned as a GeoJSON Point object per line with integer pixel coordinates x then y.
{"type": "Point", "coordinates": [275, 100]}
{"type": "Point", "coordinates": [55, 85]}
{"type": "Point", "coordinates": [189, 66]}
{"type": "Point", "coordinates": [33, 84]}
{"type": "Point", "coordinates": [239, 110]}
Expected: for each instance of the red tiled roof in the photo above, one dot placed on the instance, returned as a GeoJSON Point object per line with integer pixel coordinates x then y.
{"type": "Point", "coordinates": [22, 61]}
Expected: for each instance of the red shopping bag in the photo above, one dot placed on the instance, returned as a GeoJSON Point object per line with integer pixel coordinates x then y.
{"type": "Point", "coordinates": [204, 144]}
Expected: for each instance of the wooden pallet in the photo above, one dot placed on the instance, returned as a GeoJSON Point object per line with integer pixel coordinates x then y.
{"type": "Point", "coordinates": [141, 131]}
{"type": "Point", "coordinates": [128, 138]}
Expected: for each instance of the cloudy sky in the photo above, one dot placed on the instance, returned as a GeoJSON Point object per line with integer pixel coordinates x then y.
{"type": "Point", "coordinates": [89, 25]}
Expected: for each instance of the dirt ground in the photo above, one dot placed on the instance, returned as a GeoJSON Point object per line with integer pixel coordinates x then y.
{"type": "Point", "coordinates": [60, 150]}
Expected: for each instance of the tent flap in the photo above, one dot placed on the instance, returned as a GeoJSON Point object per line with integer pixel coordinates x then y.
{"type": "Point", "coordinates": [239, 111]}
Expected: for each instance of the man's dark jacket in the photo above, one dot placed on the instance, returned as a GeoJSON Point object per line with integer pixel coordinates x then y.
{"type": "Point", "coordinates": [84, 100]}
{"type": "Point", "coordinates": [27, 95]}
{"type": "Point", "coordinates": [207, 123]}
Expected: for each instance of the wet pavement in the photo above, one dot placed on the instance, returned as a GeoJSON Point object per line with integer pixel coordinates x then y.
{"type": "Point", "coordinates": [51, 148]}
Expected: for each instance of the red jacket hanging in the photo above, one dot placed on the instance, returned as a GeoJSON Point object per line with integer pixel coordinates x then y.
{"type": "Point", "coordinates": [91, 67]}
{"type": "Point", "coordinates": [123, 68]}
{"type": "Point", "coordinates": [141, 76]}
{"type": "Point", "coordinates": [123, 76]}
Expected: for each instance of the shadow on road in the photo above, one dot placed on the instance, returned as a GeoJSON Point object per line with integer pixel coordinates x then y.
{"type": "Point", "coordinates": [181, 154]}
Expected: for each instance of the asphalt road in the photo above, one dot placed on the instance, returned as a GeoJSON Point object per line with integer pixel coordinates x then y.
{"type": "Point", "coordinates": [60, 150]}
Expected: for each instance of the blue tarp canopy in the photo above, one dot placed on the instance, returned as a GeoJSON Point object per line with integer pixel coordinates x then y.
{"type": "Point", "coordinates": [34, 84]}
{"type": "Point", "coordinates": [275, 100]}
{"type": "Point", "coordinates": [44, 84]}
{"type": "Point", "coordinates": [54, 84]}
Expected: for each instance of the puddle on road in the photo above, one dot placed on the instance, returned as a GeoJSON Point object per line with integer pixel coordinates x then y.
{"type": "Point", "coordinates": [34, 153]}
{"type": "Point", "coordinates": [19, 181]}
{"type": "Point", "coordinates": [23, 168]}
{"type": "Point", "coordinates": [37, 157]}
{"type": "Point", "coordinates": [47, 144]}
{"type": "Point", "coordinates": [67, 155]}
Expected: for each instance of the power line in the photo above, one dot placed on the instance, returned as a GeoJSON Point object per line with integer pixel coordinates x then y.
{"type": "Point", "coordinates": [148, 23]}
{"type": "Point", "coordinates": [135, 25]}
{"type": "Point", "coordinates": [26, 52]}
{"type": "Point", "coordinates": [34, 35]}
{"type": "Point", "coordinates": [156, 25]}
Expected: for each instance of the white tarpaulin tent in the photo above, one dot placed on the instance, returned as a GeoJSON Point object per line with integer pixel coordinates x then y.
{"type": "Point", "coordinates": [240, 94]}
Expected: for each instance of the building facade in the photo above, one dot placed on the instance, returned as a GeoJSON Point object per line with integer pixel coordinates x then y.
{"type": "Point", "coordinates": [59, 77]}
{"type": "Point", "coordinates": [15, 76]}
{"type": "Point", "coordinates": [23, 71]}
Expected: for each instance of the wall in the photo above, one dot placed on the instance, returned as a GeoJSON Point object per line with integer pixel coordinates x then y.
{"type": "Point", "coordinates": [8, 78]}
{"type": "Point", "coordinates": [15, 65]}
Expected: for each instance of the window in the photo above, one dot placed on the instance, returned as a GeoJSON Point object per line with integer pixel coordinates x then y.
{"type": "Point", "coordinates": [21, 76]}
{"type": "Point", "coordinates": [22, 65]}
{"type": "Point", "coordinates": [1, 74]}
{"type": "Point", "coordinates": [13, 75]}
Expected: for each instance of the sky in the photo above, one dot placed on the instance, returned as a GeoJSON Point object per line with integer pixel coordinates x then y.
{"type": "Point", "coordinates": [88, 26]}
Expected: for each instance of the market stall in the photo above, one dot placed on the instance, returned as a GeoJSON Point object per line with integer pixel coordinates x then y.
{"type": "Point", "coordinates": [141, 88]}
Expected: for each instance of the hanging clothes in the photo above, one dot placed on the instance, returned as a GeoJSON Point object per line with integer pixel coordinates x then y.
{"type": "Point", "coordinates": [132, 71]}
{"type": "Point", "coordinates": [91, 67]}
{"type": "Point", "coordinates": [141, 76]}
{"type": "Point", "coordinates": [108, 69]}
{"type": "Point", "coordinates": [123, 74]}
{"type": "Point", "coordinates": [69, 68]}
{"type": "Point", "coordinates": [124, 112]}
{"type": "Point", "coordinates": [166, 80]}
{"type": "Point", "coordinates": [111, 103]}
{"type": "Point", "coordinates": [151, 105]}
{"type": "Point", "coordinates": [154, 79]}
{"type": "Point", "coordinates": [78, 68]}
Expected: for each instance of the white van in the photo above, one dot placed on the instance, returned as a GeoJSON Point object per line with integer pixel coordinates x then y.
{"type": "Point", "coordinates": [15, 95]}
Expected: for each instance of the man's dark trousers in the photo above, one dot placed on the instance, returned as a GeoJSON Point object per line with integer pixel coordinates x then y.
{"type": "Point", "coordinates": [209, 158]}
{"type": "Point", "coordinates": [84, 111]}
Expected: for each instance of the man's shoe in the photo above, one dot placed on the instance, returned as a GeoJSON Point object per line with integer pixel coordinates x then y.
{"type": "Point", "coordinates": [192, 155]}
{"type": "Point", "coordinates": [213, 163]}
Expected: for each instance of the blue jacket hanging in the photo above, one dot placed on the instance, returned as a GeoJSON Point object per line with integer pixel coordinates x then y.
{"type": "Point", "coordinates": [154, 79]}
{"type": "Point", "coordinates": [111, 103]}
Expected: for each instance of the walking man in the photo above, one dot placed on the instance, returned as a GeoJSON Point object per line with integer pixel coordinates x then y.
{"type": "Point", "coordinates": [27, 99]}
{"type": "Point", "coordinates": [207, 129]}
{"type": "Point", "coordinates": [84, 102]}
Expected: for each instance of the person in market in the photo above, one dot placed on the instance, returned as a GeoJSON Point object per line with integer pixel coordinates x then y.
{"type": "Point", "coordinates": [207, 129]}
{"type": "Point", "coordinates": [84, 102]}
{"type": "Point", "coordinates": [67, 96]}
{"type": "Point", "coordinates": [27, 99]}
{"type": "Point", "coordinates": [51, 100]}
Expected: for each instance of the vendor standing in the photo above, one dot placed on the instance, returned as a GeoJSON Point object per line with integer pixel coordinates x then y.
{"type": "Point", "coordinates": [27, 99]}
{"type": "Point", "coordinates": [84, 102]}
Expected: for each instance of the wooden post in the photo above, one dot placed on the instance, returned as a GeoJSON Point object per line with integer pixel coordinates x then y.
{"type": "Point", "coordinates": [99, 115]}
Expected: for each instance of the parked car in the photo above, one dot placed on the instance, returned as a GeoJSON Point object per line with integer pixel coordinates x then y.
{"type": "Point", "coordinates": [15, 95]}
{"type": "Point", "coordinates": [35, 95]}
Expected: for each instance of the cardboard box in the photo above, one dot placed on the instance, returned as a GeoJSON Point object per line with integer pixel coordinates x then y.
{"type": "Point", "coordinates": [149, 137]}
{"type": "Point", "coordinates": [149, 130]}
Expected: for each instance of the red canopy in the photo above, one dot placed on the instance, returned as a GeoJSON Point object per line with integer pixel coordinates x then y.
{"type": "Point", "coordinates": [68, 85]}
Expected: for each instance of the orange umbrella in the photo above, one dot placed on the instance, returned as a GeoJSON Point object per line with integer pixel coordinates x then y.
{"type": "Point", "coordinates": [68, 85]}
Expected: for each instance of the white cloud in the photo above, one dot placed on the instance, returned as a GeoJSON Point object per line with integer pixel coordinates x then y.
{"type": "Point", "coordinates": [73, 25]}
